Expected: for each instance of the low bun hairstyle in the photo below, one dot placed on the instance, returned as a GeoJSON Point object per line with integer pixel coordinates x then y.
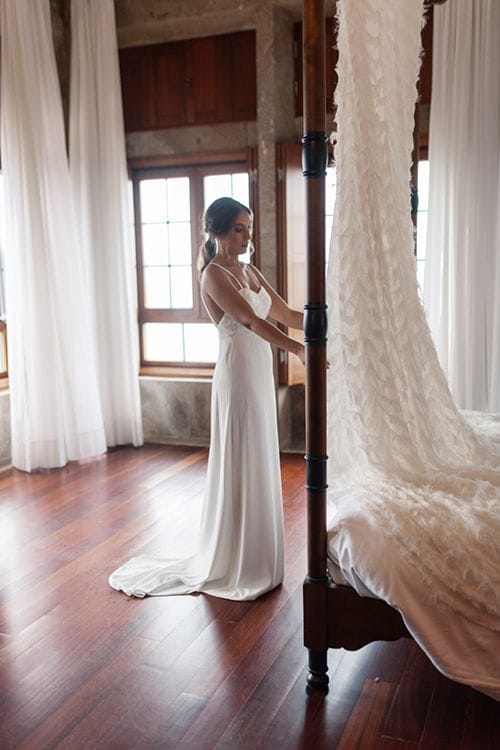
{"type": "Point", "coordinates": [218, 220]}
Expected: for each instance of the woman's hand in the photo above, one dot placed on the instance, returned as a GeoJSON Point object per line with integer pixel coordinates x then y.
{"type": "Point", "coordinates": [300, 352]}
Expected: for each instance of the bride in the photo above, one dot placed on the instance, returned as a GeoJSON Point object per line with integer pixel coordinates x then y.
{"type": "Point", "coordinates": [240, 547]}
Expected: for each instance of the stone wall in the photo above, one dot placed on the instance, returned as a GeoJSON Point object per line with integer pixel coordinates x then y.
{"type": "Point", "coordinates": [177, 412]}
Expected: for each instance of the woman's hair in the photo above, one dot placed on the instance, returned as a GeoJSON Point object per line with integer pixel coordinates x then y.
{"type": "Point", "coordinates": [218, 220]}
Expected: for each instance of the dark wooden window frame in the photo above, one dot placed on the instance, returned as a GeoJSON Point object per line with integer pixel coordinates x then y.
{"type": "Point", "coordinates": [195, 166]}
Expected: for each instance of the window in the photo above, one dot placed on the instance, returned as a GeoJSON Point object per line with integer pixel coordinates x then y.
{"type": "Point", "coordinates": [169, 203]}
{"type": "Point", "coordinates": [291, 236]}
{"type": "Point", "coordinates": [292, 241]}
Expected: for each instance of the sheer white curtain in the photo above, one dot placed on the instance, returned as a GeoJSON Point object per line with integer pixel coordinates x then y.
{"type": "Point", "coordinates": [55, 406]}
{"type": "Point", "coordinates": [98, 168]}
{"type": "Point", "coordinates": [462, 276]}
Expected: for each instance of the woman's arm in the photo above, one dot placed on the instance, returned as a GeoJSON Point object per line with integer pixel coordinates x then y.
{"type": "Point", "coordinates": [279, 308]}
{"type": "Point", "coordinates": [217, 285]}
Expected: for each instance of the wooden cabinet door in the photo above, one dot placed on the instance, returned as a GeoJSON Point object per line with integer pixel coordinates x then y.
{"type": "Point", "coordinates": [138, 88]}
{"type": "Point", "coordinates": [192, 82]}
{"type": "Point", "coordinates": [237, 76]}
{"type": "Point", "coordinates": [171, 84]}
{"type": "Point", "coordinates": [202, 76]}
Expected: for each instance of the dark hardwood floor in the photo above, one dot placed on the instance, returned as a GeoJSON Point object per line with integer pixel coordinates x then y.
{"type": "Point", "coordinates": [83, 666]}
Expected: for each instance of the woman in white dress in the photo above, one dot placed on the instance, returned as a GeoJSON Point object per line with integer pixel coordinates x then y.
{"type": "Point", "coordinates": [240, 546]}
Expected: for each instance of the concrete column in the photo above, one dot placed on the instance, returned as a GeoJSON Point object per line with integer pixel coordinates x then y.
{"type": "Point", "coordinates": [275, 121]}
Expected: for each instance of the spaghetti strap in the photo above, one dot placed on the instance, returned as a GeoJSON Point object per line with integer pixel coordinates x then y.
{"type": "Point", "coordinates": [230, 274]}
{"type": "Point", "coordinates": [255, 277]}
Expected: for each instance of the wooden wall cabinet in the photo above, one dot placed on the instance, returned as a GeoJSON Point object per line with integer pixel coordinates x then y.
{"type": "Point", "coordinates": [193, 82]}
{"type": "Point", "coordinates": [170, 85]}
{"type": "Point", "coordinates": [138, 89]}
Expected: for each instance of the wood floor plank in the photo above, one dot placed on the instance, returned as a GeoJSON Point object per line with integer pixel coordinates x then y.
{"type": "Point", "coordinates": [393, 660]}
{"type": "Point", "coordinates": [347, 679]}
{"type": "Point", "coordinates": [366, 721]}
{"type": "Point", "coordinates": [57, 668]}
{"type": "Point", "coordinates": [138, 533]}
{"type": "Point", "coordinates": [444, 727]}
{"type": "Point", "coordinates": [227, 701]}
{"type": "Point", "coordinates": [165, 674]}
{"type": "Point", "coordinates": [161, 475]}
{"type": "Point", "coordinates": [249, 728]}
{"type": "Point", "coordinates": [83, 666]}
{"type": "Point", "coordinates": [302, 714]}
{"type": "Point", "coordinates": [184, 712]}
{"type": "Point", "coordinates": [408, 715]}
{"type": "Point", "coordinates": [390, 743]}
{"type": "Point", "coordinates": [481, 723]}
{"type": "Point", "coordinates": [58, 725]}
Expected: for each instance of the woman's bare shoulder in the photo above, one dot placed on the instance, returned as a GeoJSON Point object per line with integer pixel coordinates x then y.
{"type": "Point", "coordinates": [217, 275]}
{"type": "Point", "coordinates": [218, 285]}
{"type": "Point", "coordinates": [210, 273]}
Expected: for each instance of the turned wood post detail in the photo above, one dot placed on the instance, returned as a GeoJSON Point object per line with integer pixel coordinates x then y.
{"type": "Point", "coordinates": [314, 161]}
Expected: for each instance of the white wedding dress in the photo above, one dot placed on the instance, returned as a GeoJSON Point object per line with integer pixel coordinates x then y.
{"type": "Point", "coordinates": [240, 548]}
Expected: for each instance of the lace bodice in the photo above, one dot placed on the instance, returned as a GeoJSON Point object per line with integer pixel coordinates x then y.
{"type": "Point", "coordinates": [261, 304]}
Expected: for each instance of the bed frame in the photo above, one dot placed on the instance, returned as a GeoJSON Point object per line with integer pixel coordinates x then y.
{"type": "Point", "coordinates": [334, 616]}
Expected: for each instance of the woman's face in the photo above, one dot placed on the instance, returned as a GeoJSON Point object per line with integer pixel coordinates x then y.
{"type": "Point", "coordinates": [236, 240]}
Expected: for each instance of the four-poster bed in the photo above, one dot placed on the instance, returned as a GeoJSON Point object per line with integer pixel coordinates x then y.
{"type": "Point", "coordinates": [334, 615]}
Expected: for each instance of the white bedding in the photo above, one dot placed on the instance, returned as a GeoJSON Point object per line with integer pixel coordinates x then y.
{"type": "Point", "coordinates": [362, 554]}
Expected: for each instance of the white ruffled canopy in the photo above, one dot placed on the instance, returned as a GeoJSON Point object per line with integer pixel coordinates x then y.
{"type": "Point", "coordinates": [426, 473]}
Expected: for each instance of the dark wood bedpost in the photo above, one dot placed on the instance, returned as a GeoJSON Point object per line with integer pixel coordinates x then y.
{"type": "Point", "coordinates": [334, 616]}
{"type": "Point", "coordinates": [314, 160]}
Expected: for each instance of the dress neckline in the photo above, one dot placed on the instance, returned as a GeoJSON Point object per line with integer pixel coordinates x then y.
{"type": "Point", "coordinates": [243, 289]}
{"type": "Point", "coordinates": [254, 291]}
{"type": "Point", "coordinates": [223, 268]}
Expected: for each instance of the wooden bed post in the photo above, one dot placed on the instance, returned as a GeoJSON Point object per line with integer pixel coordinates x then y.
{"type": "Point", "coordinates": [334, 615]}
{"type": "Point", "coordinates": [314, 160]}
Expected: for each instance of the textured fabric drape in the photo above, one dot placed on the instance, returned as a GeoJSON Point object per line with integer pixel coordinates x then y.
{"type": "Point", "coordinates": [429, 475]}
{"type": "Point", "coordinates": [98, 168]}
{"type": "Point", "coordinates": [55, 408]}
{"type": "Point", "coordinates": [462, 276]}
